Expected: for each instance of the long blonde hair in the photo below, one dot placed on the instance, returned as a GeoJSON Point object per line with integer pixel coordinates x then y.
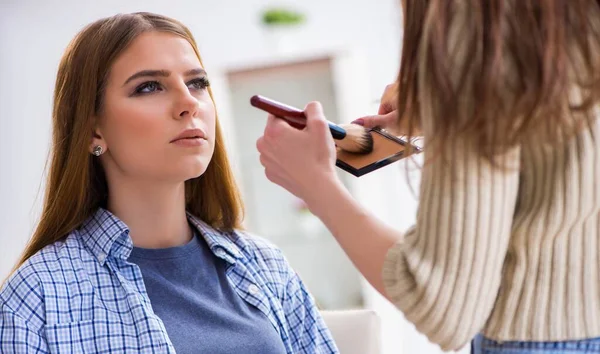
{"type": "Point", "coordinates": [76, 184]}
{"type": "Point", "coordinates": [495, 72]}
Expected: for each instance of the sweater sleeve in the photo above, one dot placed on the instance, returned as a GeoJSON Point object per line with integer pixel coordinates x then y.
{"type": "Point", "coordinates": [445, 273]}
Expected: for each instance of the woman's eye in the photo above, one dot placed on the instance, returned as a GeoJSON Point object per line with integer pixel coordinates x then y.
{"type": "Point", "coordinates": [148, 87]}
{"type": "Point", "coordinates": [200, 83]}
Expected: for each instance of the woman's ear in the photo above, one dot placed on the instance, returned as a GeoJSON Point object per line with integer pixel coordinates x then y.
{"type": "Point", "coordinates": [98, 145]}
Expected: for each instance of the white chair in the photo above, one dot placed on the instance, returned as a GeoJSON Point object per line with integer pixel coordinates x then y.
{"type": "Point", "coordinates": [355, 331]}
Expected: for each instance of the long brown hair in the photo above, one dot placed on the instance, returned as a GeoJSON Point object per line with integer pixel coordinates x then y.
{"type": "Point", "coordinates": [496, 72]}
{"type": "Point", "coordinates": [76, 184]}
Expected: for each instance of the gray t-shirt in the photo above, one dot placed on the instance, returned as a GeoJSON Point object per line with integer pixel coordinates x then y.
{"type": "Point", "coordinates": [202, 312]}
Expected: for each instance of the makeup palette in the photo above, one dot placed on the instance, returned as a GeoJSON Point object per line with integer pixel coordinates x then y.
{"type": "Point", "coordinates": [386, 150]}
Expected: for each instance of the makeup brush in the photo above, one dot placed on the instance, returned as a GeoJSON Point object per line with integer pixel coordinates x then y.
{"type": "Point", "coordinates": [349, 137]}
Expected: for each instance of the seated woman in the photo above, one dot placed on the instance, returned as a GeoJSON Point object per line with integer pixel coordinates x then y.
{"type": "Point", "coordinates": [138, 249]}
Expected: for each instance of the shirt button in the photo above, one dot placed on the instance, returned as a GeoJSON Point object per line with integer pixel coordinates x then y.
{"type": "Point", "coordinates": [101, 257]}
{"type": "Point", "coordinates": [253, 289]}
{"type": "Point", "coordinates": [220, 253]}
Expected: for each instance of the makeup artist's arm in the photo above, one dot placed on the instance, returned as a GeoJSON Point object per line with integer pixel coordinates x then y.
{"type": "Point", "coordinates": [304, 164]}
{"type": "Point", "coordinates": [444, 273]}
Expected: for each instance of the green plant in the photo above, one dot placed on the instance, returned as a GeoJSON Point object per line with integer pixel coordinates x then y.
{"type": "Point", "coordinates": [278, 16]}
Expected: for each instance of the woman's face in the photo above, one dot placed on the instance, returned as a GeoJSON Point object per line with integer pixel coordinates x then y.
{"type": "Point", "coordinates": [158, 119]}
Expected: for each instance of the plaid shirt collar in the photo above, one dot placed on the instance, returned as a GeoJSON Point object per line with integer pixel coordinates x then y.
{"type": "Point", "coordinates": [104, 234]}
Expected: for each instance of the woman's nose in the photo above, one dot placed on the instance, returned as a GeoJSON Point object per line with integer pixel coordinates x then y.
{"type": "Point", "coordinates": [187, 105]}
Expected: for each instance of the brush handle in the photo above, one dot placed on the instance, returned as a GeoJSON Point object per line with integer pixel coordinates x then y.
{"type": "Point", "coordinates": [294, 116]}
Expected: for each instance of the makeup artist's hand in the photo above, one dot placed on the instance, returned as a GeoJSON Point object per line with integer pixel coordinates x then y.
{"type": "Point", "coordinates": [301, 161]}
{"type": "Point", "coordinates": [387, 114]}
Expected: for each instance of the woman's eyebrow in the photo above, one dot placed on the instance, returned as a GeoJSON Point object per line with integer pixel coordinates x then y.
{"type": "Point", "coordinates": [162, 73]}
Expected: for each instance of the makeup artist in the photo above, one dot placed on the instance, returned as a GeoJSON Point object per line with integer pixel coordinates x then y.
{"type": "Point", "coordinates": [506, 241]}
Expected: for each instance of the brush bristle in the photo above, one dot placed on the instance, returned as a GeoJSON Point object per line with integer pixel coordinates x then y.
{"type": "Point", "coordinates": [358, 140]}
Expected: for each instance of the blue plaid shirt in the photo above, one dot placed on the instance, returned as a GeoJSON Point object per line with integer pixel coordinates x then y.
{"type": "Point", "coordinates": [80, 295]}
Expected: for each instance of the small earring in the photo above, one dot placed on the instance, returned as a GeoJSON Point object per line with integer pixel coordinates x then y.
{"type": "Point", "coordinates": [97, 150]}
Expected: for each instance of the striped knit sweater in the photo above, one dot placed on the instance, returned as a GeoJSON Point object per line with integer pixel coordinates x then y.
{"type": "Point", "coordinates": [514, 253]}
